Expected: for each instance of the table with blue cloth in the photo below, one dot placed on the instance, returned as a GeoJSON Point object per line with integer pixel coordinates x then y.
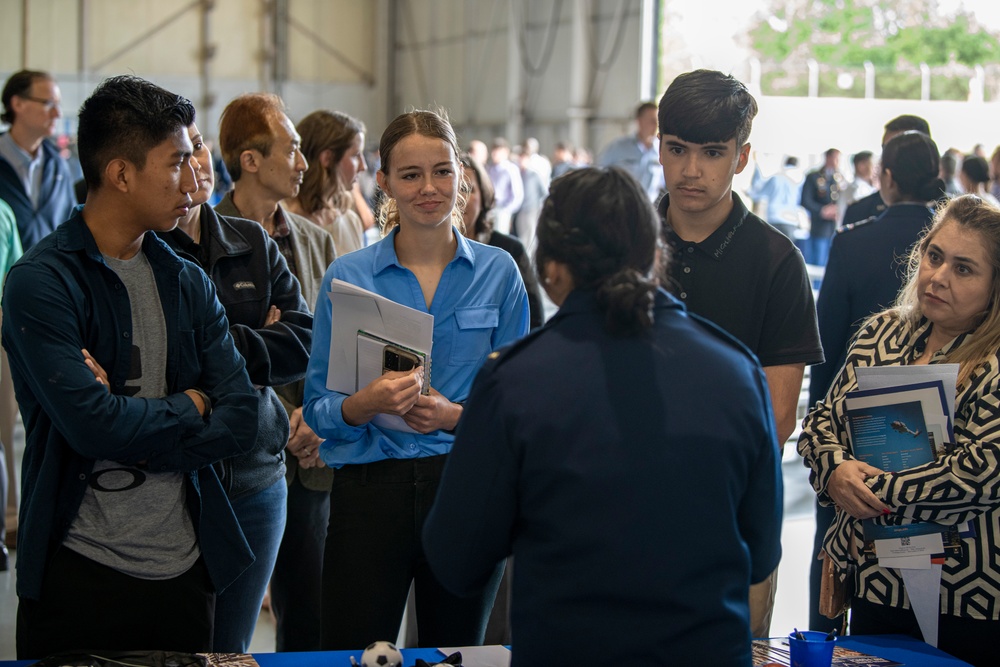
{"type": "Point", "coordinates": [909, 651]}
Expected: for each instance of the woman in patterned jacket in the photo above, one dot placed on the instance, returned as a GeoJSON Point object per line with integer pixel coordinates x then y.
{"type": "Point", "coordinates": [949, 311]}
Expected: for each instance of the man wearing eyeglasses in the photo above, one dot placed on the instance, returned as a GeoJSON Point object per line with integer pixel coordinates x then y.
{"type": "Point", "coordinates": [34, 180]}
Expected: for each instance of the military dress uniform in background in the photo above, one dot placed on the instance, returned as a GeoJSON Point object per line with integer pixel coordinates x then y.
{"type": "Point", "coordinates": [820, 188]}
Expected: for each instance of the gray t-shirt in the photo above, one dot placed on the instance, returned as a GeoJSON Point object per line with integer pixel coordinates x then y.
{"type": "Point", "coordinates": [133, 520]}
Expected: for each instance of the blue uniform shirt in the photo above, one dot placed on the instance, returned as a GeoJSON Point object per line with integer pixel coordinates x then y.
{"type": "Point", "coordinates": [480, 305]}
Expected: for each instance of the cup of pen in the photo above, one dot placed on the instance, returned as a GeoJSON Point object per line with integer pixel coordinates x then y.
{"type": "Point", "coordinates": [811, 649]}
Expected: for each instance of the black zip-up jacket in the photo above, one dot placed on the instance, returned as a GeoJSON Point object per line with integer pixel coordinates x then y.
{"type": "Point", "coordinates": [250, 275]}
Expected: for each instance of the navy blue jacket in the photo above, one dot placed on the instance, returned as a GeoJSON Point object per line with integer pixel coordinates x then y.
{"type": "Point", "coordinates": [635, 479]}
{"type": "Point", "coordinates": [250, 275]}
{"type": "Point", "coordinates": [866, 269]}
{"type": "Point", "coordinates": [55, 205]}
{"type": "Point", "coordinates": [871, 206]}
{"type": "Point", "coordinates": [61, 297]}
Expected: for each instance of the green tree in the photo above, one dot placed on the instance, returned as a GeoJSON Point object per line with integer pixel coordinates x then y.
{"type": "Point", "coordinates": [887, 33]}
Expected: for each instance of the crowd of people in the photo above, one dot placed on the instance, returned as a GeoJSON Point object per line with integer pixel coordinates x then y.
{"type": "Point", "coordinates": [168, 337]}
{"type": "Point", "coordinates": [811, 207]}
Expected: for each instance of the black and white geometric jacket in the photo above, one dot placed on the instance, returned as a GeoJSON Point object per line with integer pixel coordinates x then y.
{"type": "Point", "coordinates": [957, 488]}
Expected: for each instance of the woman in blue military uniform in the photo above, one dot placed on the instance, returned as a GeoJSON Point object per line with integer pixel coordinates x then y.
{"type": "Point", "coordinates": [638, 508]}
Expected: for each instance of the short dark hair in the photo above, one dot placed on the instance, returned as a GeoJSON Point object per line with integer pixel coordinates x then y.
{"type": "Point", "coordinates": [20, 84]}
{"type": "Point", "coordinates": [906, 123]}
{"type": "Point", "coordinates": [487, 196]}
{"type": "Point", "coordinates": [791, 161]}
{"type": "Point", "coordinates": [861, 156]}
{"type": "Point", "coordinates": [126, 117]}
{"type": "Point", "coordinates": [706, 106]}
{"type": "Point", "coordinates": [976, 169]}
{"type": "Point", "coordinates": [643, 107]}
{"type": "Point", "coordinates": [914, 163]}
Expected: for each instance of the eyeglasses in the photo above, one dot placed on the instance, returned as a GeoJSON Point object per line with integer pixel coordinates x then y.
{"type": "Point", "coordinates": [48, 104]}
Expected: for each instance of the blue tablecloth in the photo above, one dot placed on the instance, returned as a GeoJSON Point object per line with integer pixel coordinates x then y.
{"type": "Point", "coordinates": [909, 651]}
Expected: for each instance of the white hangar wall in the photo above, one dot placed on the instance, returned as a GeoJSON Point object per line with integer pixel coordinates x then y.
{"type": "Point", "coordinates": [554, 69]}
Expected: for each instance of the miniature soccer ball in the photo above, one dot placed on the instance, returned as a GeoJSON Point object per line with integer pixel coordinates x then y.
{"type": "Point", "coordinates": [382, 654]}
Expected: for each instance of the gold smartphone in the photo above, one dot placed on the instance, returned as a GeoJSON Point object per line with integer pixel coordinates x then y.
{"type": "Point", "coordinates": [397, 359]}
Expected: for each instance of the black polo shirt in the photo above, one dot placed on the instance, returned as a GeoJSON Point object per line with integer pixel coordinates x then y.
{"type": "Point", "coordinates": [751, 280]}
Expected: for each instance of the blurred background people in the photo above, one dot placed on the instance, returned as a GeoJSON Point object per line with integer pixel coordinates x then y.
{"type": "Point", "coordinates": [777, 199]}
{"type": "Point", "coordinates": [820, 193]}
{"type": "Point", "coordinates": [864, 183]}
{"type": "Point", "coordinates": [507, 184]}
{"type": "Point", "coordinates": [975, 178]}
{"type": "Point", "coordinates": [638, 153]}
{"type": "Point", "coordinates": [478, 222]}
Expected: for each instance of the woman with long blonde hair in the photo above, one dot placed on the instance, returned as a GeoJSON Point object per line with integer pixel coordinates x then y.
{"type": "Point", "coordinates": [948, 312]}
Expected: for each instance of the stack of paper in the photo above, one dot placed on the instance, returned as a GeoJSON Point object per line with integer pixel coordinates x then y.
{"type": "Point", "coordinates": [363, 324]}
{"type": "Point", "coordinates": [902, 417]}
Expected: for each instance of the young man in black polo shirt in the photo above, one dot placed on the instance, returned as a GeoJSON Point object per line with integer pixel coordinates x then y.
{"type": "Point", "coordinates": [729, 265]}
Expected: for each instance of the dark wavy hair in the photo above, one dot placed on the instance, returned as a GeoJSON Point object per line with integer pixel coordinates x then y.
{"type": "Point", "coordinates": [487, 197]}
{"type": "Point", "coordinates": [602, 226]}
{"type": "Point", "coordinates": [126, 117]}
{"type": "Point", "coordinates": [914, 162]}
{"type": "Point", "coordinates": [976, 169]}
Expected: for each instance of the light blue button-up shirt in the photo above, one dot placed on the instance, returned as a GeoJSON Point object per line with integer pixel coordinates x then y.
{"type": "Point", "coordinates": [480, 305]}
{"type": "Point", "coordinates": [632, 155]}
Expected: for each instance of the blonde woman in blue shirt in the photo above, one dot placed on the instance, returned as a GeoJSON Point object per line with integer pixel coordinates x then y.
{"type": "Point", "coordinates": [386, 480]}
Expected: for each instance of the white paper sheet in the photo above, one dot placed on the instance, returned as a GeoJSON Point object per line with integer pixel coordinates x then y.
{"type": "Point", "coordinates": [357, 309]}
{"type": "Point", "coordinates": [907, 562]}
{"type": "Point", "coordinates": [904, 547]}
{"type": "Point", "coordinates": [924, 590]}
{"type": "Point", "coordinates": [880, 377]}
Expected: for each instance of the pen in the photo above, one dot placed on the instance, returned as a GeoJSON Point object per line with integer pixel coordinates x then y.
{"type": "Point", "coordinates": [798, 635]}
{"type": "Point", "coordinates": [831, 635]}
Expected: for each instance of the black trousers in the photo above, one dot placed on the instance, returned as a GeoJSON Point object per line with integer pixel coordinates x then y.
{"type": "Point", "coordinates": [88, 606]}
{"type": "Point", "coordinates": [298, 571]}
{"type": "Point", "coordinates": [373, 553]}
{"type": "Point", "coordinates": [976, 642]}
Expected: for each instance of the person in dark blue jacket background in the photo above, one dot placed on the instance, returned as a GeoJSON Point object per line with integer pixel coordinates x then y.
{"type": "Point", "coordinates": [872, 205]}
{"type": "Point", "coordinates": [624, 453]}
